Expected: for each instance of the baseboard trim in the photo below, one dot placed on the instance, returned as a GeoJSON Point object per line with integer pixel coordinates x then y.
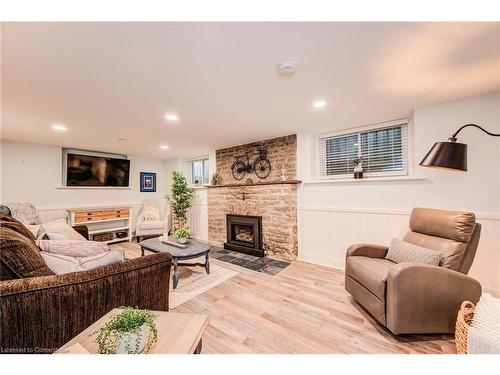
{"type": "Point", "coordinates": [322, 260]}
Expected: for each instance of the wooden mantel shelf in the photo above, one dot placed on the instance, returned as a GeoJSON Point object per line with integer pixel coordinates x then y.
{"type": "Point", "coordinates": [286, 182]}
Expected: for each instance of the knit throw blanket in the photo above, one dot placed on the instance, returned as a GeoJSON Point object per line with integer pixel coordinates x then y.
{"type": "Point", "coordinates": [484, 332]}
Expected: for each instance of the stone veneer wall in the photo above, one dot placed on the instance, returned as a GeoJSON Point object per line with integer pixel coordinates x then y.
{"type": "Point", "coordinates": [281, 152]}
{"type": "Point", "coordinates": [277, 204]}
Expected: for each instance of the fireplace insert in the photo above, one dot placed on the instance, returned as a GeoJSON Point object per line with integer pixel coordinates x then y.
{"type": "Point", "coordinates": [244, 234]}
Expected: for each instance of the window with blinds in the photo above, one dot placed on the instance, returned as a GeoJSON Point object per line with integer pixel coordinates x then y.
{"type": "Point", "coordinates": [199, 171]}
{"type": "Point", "coordinates": [384, 151]}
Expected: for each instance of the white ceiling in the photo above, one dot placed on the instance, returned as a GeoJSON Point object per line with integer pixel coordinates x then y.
{"type": "Point", "coordinates": [110, 80]}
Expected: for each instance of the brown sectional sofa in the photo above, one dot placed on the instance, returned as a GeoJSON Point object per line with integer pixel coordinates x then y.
{"type": "Point", "coordinates": [40, 311]}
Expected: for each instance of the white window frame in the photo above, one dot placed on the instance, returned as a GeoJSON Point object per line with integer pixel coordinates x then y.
{"type": "Point", "coordinates": [190, 170]}
{"type": "Point", "coordinates": [380, 125]}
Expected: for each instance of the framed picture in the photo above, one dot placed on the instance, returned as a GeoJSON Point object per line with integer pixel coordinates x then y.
{"type": "Point", "coordinates": [148, 182]}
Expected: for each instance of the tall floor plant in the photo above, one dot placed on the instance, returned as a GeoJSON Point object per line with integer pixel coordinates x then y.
{"type": "Point", "coordinates": [181, 197]}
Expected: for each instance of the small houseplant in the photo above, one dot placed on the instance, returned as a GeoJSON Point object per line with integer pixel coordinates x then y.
{"type": "Point", "coordinates": [130, 332]}
{"type": "Point", "coordinates": [216, 178]}
{"type": "Point", "coordinates": [358, 168]}
{"type": "Point", "coordinates": [182, 234]}
{"type": "Point", "coordinates": [180, 199]}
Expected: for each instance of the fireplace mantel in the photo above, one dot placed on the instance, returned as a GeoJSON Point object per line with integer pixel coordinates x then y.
{"type": "Point", "coordinates": [286, 182]}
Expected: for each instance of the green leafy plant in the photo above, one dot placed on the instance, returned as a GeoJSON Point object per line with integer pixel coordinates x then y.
{"type": "Point", "coordinates": [130, 321]}
{"type": "Point", "coordinates": [182, 233]}
{"type": "Point", "coordinates": [216, 178]}
{"type": "Point", "coordinates": [357, 161]}
{"type": "Point", "coordinates": [180, 198]}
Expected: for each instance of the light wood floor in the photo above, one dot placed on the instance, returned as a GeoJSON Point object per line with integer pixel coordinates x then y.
{"type": "Point", "coordinates": [304, 309]}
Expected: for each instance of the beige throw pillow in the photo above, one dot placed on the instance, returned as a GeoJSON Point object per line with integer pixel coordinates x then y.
{"type": "Point", "coordinates": [60, 264]}
{"type": "Point", "coordinates": [72, 248]}
{"type": "Point", "coordinates": [61, 228]}
{"type": "Point", "coordinates": [401, 251]}
{"type": "Point", "coordinates": [105, 259]}
{"type": "Point", "coordinates": [34, 229]}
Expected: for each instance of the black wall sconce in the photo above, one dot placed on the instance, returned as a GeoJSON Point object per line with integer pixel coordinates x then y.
{"type": "Point", "coordinates": [450, 155]}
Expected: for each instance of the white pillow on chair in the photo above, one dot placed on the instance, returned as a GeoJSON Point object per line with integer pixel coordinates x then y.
{"type": "Point", "coordinates": [151, 214]}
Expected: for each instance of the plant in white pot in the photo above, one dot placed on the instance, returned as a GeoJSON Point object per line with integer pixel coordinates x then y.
{"type": "Point", "coordinates": [182, 234]}
{"type": "Point", "coordinates": [358, 167]}
{"type": "Point", "coordinates": [130, 332]}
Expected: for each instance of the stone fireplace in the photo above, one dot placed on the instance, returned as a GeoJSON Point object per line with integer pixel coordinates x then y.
{"type": "Point", "coordinates": [244, 234]}
{"type": "Point", "coordinates": [257, 217]}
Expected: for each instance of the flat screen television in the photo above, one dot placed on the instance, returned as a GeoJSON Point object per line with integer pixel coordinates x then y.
{"type": "Point", "coordinates": [89, 170]}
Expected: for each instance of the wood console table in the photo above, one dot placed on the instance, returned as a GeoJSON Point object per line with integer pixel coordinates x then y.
{"type": "Point", "coordinates": [103, 219]}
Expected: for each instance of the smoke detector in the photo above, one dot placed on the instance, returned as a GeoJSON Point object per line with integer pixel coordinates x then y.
{"type": "Point", "coordinates": [287, 67]}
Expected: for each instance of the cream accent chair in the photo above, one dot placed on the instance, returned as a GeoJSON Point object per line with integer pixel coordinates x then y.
{"type": "Point", "coordinates": [149, 228]}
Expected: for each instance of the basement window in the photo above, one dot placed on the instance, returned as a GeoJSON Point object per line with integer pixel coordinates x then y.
{"type": "Point", "coordinates": [199, 171]}
{"type": "Point", "coordinates": [382, 147]}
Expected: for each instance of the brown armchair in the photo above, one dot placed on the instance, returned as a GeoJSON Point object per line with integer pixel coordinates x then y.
{"type": "Point", "coordinates": [418, 298]}
{"type": "Point", "coordinates": [39, 314]}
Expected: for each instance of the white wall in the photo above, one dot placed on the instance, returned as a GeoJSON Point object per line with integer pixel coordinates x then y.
{"type": "Point", "coordinates": [32, 173]}
{"type": "Point", "coordinates": [333, 216]}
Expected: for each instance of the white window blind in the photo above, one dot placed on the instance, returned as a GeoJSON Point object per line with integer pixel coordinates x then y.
{"type": "Point", "coordinates": [199, 171]}
{"type": "Point", "coordinates": [384, 151]}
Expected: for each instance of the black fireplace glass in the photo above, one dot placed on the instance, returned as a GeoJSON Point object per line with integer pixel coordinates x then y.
{"type": "Point", "coordinates": [243, 233]}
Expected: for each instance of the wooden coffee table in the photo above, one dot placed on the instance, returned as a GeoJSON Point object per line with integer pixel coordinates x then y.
{"type": "Point", "coordinates": [194, 250]}
{"type": "Point", "coordinates": [178, 333]}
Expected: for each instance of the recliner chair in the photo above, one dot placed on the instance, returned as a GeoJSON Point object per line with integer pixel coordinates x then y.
{"type": "Point", "coordinates": [418, 298]}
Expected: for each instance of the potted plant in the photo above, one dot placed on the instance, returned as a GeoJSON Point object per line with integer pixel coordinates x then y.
{"type": "Point", "coordinates": [182, 234]}
{"type": "Point", "coordinates": [358, 168]}
{"type": "Point", "coordinates": [129, 332]}
{"type": "Point", "coordinates": [180, 199]}
{"type": "Point", "coordinates": [216, 178]}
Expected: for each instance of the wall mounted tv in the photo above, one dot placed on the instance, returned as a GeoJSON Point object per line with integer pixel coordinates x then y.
{"type": "Point", "coordinates": [90, 170]}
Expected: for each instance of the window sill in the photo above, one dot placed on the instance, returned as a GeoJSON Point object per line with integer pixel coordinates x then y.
{"type": "Point", "coordinates": [334, 181]}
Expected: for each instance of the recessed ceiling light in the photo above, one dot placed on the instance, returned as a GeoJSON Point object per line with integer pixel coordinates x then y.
{"type": "Point", "coordinates": [164, 147]}
{"type": "Point", "coordinates": [172, 117]}
{"type": "Point", "coordinates": [59, 127]}
{"type": "Point", "coordinates": [319, 104]}
{"type": "Point", "coordinates": [121, 139]}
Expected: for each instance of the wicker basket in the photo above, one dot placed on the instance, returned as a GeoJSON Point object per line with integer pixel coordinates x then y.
{"type": "Point", "coordinates": [464, 320]}
{"type": "Point", "coordinates": [102, 237]}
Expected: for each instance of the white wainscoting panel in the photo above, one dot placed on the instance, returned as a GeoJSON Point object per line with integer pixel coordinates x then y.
{"type": "Point", "coordinates": [198, 215]}
{"type": "Point", "coordinates": [326, 233]}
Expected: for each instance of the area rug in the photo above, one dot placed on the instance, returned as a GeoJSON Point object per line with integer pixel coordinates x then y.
{"type": "Point", "coordinates": [193, 281]}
